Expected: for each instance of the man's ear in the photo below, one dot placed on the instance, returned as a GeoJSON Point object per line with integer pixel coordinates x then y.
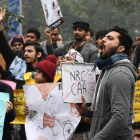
{"type": "Point", "coordinates": [39, 54]}
{"type": "Point", "coordinates": [120, 49]}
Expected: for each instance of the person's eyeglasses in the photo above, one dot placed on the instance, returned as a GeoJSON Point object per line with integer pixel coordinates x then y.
{"type": "Point", "coordinates": [137, 135]}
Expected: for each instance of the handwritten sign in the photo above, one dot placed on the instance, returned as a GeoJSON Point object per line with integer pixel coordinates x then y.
{"type": "Point", "coordinates": [137, 101]}
{"type": "Point", "coordinates": [28, 78]}
{"type": "Point", "coordinates": [77, 80]}
{"type": "Point", "coordinates": [57, 75]}
{"type": "Point", "coordinates": [52, 13]}
{"type": "Point", "coordinates": [4, 97]}
{"type": "Point", "coordinates": [19, 101]}
{"type": "Point", "coordinates": [49, 118]}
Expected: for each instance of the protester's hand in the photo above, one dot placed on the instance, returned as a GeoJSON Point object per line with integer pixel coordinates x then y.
{"type": "Point", "coordinates": [82, 107]}
{"type": "Point", "coordinates": [48, 33]}
{"type": "Point", "coordinates": [2, 14]}
{"type": "Point", "coordinates": [9, 107]}
{"type": "Point", "coordinates": [26, 110]}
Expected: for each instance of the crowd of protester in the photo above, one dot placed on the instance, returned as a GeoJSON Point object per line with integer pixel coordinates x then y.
{"type": "Point", "coordinates": [116, 60]}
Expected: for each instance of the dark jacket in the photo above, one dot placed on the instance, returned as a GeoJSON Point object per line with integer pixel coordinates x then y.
{"type": "Point", "coordinates": [136, 58]}
{"type": "Point", "coordinates": [88, 51]}
{"type": "Point", "coordinates": [50, 49]}
{"type": "Point", "coordinates": [9, 56]}
{"type": "Point", "coordinates": [9, 116]}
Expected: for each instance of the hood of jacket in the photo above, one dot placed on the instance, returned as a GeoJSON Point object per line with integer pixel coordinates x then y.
{"type": "Point", "coordinates": [128, 64]}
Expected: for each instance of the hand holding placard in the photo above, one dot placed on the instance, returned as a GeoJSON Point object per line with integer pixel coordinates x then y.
{"type": "Point", "coordinates": [82, 107]}
{"type": "Point", "coordinates": [48, 34]}
{"type": "Point", "coordinates": [9, 107]}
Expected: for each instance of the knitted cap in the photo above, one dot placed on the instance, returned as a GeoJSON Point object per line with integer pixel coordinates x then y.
{"type": "Point", "coordinates": [76, 55]}
{"type": "Point", "coordinates": [81, 24]}
{"type": "Point", "coordinates": [16, 38]}
{"type": "Point", "coordinates": [48, 66]}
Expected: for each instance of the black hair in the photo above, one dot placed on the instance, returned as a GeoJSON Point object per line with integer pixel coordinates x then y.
{"type": "Point", "coordinates": [61, 54]}
{"type": "Point", "coordinates": [37, 47]}
{"type": "Point", "coordinates": [35, 31]}
{"type": "Point", "coordinates": [136, 125]}
{"type": "Point", "coordinates": [91, 32]}
{"type": "Point", "coordinates": [101, 33]}
{"type": "Point", "coordinates": [81, 24]}
{"type": "Point", "coordinates": [124, 38]}
{"type": "Point", "coordinates": [58, 29]}
{"type": "Point", "coordinates": [43, 74]}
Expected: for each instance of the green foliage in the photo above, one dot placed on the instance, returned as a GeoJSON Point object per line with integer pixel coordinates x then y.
{"type": "Point", "coordinates": [34, 16]}
{"type": "Point", "coordinates": [76, 7]}
{"type": "Point", "coordinates": [11, 18]}
{"type": "Point", "coordinates": [100, 14]}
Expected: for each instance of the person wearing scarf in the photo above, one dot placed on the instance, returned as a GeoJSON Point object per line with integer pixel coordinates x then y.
{"type": "Point", "coordinates": [112, 102]}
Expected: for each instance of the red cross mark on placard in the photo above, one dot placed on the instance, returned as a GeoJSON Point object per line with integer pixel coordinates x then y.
{"type": "Point", "coordinates": [79, 82]}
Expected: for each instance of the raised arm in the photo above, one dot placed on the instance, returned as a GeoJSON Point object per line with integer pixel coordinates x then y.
{"type": "Point", "coordinates": [47, 45]}
{"type": "Point", "coordinates": [2, 15]}
{"type": "Point", "coordinates": [7, 53]}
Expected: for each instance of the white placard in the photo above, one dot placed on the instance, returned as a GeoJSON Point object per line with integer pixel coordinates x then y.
{"type": "Point", "coordinates": [52, 13]}
{"type": "Point", "coordinates": [49, 117]}
{"type": "Point", "coordinates": [78, 79]}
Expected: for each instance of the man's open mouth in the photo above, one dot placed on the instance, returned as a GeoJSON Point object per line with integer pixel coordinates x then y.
{"type": "Point", "coordinates": [101, 47]}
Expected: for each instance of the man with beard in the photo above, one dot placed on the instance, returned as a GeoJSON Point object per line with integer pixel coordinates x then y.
{"type": "Point", "coordinates": [32, 53]}
{"type": "Point", "coordinates": [51, 42]}
{"type": "Point", "coordinates": [112, 102]}
{"type": "Point", "coordinates": [87, 50]}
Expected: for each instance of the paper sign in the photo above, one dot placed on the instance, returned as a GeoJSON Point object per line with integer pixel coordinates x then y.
{"type": "Point", "coordinates": [52, 13]}
{"type": "Point", "coordinates": [10, 83]}
{"type": "Point", "coordinates": [49, 117]}
{"type": "Point", "coordinates": [77, 80]}
{"type": "Point", "coordinates": [4, 97]}
{"type": "Point", "coordinates": [57, 74]}
{"type": "Point", "coordinates": [19, 102]}
{"type": "Point", "coordinates": [137, 101]}
{"type": "Point", "coordinates": [28, 78]}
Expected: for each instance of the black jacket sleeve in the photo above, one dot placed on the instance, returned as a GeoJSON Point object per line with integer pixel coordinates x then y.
{"type": "Point", "coordinates": [5, 50]}
{"type": "Point", "coordinates": [136, 58]}
{"type": "Point", "coordinates": [7, 89]}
